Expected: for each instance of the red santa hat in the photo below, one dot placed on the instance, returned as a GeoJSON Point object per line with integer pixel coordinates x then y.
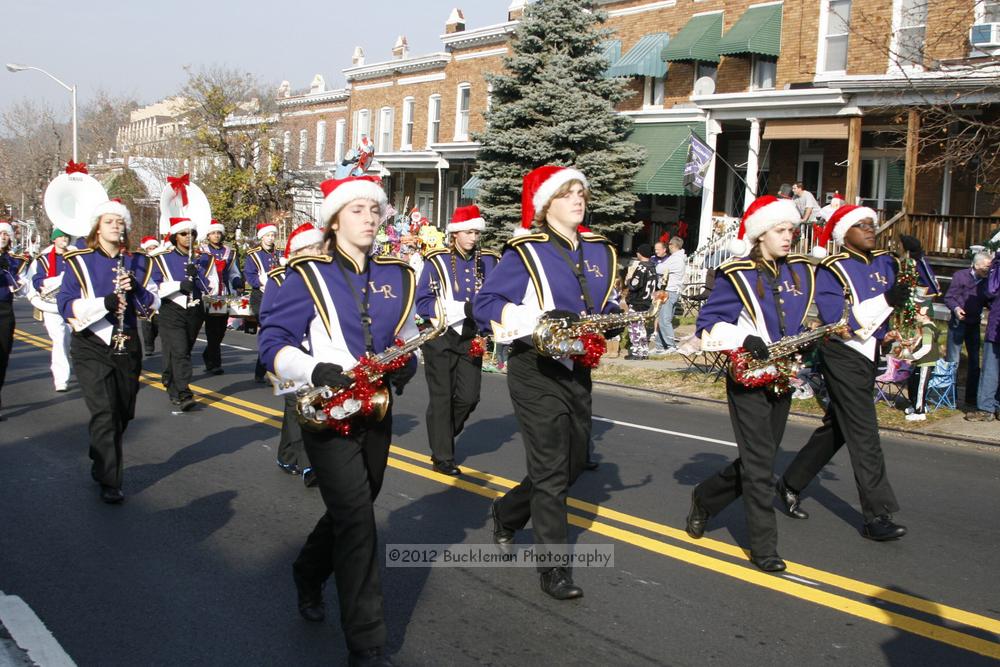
{"type": "Point", "coordinates": [111, 207]}
{"type": "Point", "coordinates": [540, 185]}
{"type": "Point", "coordinates": [303, 237]}
{"type": "Point", "coordinates": [339, 192]}
{"type": "Point", "coordinates": [466, 219]}
{"type": "Point", "coordinates": [178, 225]}
{"type": "Point", "coordinates": [5, 226]}
{"type": "Point", "coordinates": [216, 226]}
{"type": "Point", "coordinates": [148, 242]}
{"type": "Point", "coordinates": [764, 213]}
{"type": "Point", "coordinates": [265, 228]}
{"type": "Point", "coordinates": [836, 227]}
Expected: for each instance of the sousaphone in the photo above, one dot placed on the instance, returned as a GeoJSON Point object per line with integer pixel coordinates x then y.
{"type": "Point", "coordinates": [71, 198]}
{"type": "Point", "coordinates": [183, 199]}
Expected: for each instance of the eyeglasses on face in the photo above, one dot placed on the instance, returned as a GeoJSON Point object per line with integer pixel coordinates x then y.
{"type": "Point", "coordinates": [183, 234]}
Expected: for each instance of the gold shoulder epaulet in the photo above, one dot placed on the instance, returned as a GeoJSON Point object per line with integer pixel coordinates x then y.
{"type": "Point", "coordinates": [436, 252]}
{"type": "Point", "coordinates": [827, 261]}
{"type": "Point", "coordinates": [79, 251]}
{"type": "Point", "coordinates": [876, 253]}
{"type": "Point", "coordinates": [737, 265]}
{"type": "Point", "coordinates": [592, 237]}
{"type": "Point", "coordinates": [386, 259]}
{"type": "Point", "coordinates": [796, 258]}
{"type": "Point", "coordinates": [491, 253]}
{"type": "Point", "coordinates": [275, 271]}
{"type": "Point", "coordinates": [303, 259]}
{"type": "Point", "coordinates": [525, 238]}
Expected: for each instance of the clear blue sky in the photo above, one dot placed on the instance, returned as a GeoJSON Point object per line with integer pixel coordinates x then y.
{"type": "Point", "coordinates": [139, 47]}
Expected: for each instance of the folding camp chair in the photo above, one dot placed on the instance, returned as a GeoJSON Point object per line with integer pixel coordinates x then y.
{"type": "Point", "coordinates": [890, 384]}
{"type": "Point", "coordinates": [941, 386]}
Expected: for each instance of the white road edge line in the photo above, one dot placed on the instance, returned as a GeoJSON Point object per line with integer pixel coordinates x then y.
{"type": "Point", "coordinates": [235, 347]}
{"type": "Point", "coordinates": [690, 436]}
{"type": "Point", "coordinates": [30, 634]}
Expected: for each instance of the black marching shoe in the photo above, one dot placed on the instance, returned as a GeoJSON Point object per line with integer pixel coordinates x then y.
{"type": "Point", "coordinates": [558, 583]}
{"type": "Point", "coordinates": [309, 478]}
{"type": "Point", "coordinates": [697, 518]}
{"type": "Point", "coordinates": [215, 371]}
{"type": "Point", "coordinates": [882, 529]}
{"type": "Point", "coordinates": [311, 605]}
{"type": "Point", "coordinates": [789, 500]}
{"type": "Point", "coordinates": [187, 405]}
{"type": "Point", "coordinates": [290, 468]}
{"type": "Point", "coordinates": [504, 537]}
{"type": "Point", "coordinates": [370, 657]}
{"type": "Point", "coordinates": [769, 563]}
{"type": "Point", "coordinates": [591, 465]}
{"type": "Point", "coordinates": [446, 467]}
{"type": "Point", "coordinates": [111, 495]}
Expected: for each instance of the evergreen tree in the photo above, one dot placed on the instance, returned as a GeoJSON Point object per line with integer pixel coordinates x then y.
{"type": "Point", "coordinates": [553, 105]}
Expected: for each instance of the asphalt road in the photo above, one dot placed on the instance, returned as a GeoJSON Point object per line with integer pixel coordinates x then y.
{"type": "Point", "coordinates": [194, 568]}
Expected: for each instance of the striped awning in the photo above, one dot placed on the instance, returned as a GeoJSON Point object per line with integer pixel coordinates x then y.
{"type": "Point", "coordinates": [643, 59]}
{"type": "Point", "coordinates": [697, 40]}
{"type": "Point", "coordinates": [666, 147]}
{"type": "Point", "coordinates": [758, 31]}
{"type": "Point", "coordinates": [471, 188]}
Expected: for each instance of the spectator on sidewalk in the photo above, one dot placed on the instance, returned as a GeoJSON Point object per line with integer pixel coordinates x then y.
{"type": "Point", "coordinates": [671, 273]}
{"type": "Point", "coordinates": [966, 299]}
{"type": "Point", "coordinates": [926, 352]}
{"type": "Point", "coordinates": [805, 202]}
{"type": "Point", "coordinates": [986, 396]}
{"type": "Point", "coordinates": [640, 284]}
{"type": "Point", "coordinates": [660, 253]}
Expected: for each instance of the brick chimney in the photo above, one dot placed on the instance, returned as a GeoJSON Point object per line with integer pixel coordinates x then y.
{"type": "Point", "coordinates": [358, 58]}
{"type": "Point", "coordinates": [456, 22]}
{"type": "Point", "coordinates": [516, 10]}
{"type": "Point", "coordinates": [400, 49]}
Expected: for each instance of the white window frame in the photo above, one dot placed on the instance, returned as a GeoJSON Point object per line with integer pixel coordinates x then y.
{"type": "Point", "coordinates": [432, 123]}
{"type": "Point", "coordinates": [489, 97]}
{"type": "Point", "coordinates": [895, 65]}
{"type": "Point", "coordinates": [341, 138]}
{"type": "Point", "coordinates": [362, 119]}
{"type": "Point", "coordinates": [980, 10]}
{"type": "Point", "coordinates": [755, 60]}
{"type": "Point", "coordinates": [303, 146]}
{"type": "Point", "coordinates": [386, 118]}
{"type": "Point", "coordinates": [406, 127]}
{"type": "Point", "coordinates": [821, 51]}
{"type": "Point", "coordinates": [463, 117]}
{"type": "Point", "coordinates": [320, 141]}
{"type": "Point", "coordinates": [652, 92]}
{"type": "Point", "coordinates": [698, 64]}
{"type": "Point", "coordinates": [286, 147]}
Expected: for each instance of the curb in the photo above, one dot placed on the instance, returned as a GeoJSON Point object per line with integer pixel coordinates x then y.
{"type": "Point", "coordinates": [30, 635]}
{"type": "Point", "coordinates": [802, 415]}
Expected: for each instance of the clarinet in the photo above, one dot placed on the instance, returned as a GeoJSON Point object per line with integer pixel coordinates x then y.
{"type": "Point", "coordinates": [120, 338]}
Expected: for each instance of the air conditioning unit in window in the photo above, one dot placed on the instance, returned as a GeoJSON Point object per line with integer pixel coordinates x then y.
{"type": "Point", "coordinates": [985, 34]}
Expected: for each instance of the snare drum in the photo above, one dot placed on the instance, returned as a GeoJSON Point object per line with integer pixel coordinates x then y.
{"type": "Point", "coordinates": [239, 306]}
{"type": "Point", "coordinates": [215, 304]}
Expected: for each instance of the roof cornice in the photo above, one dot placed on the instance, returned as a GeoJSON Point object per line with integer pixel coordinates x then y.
{"type": "Point", "coordinates": [390, 67]}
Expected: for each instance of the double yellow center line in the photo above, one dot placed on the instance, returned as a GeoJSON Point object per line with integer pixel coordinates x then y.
{"type": "Point", "coordinates": [909, 613]}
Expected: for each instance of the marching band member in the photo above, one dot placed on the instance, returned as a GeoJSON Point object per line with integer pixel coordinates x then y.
{"type": "Point", "coordinates": [258, 262]}
{"type": "Point", "coordinates": [148, 325]}
{"type": "Point", "coordinates": [453, 374]}
{"type": "Point", "coordinates": [11, 283]}
{"type": "Point", "coordinates": [556, 272]}
{"type": "Point", "coordinates": [50, 266]}
{"type": "Point", "coordinates": [179, 276]}
{"type": "Point", "coordinates": [90, 299]}
{"type": "Point", "coordinates": [342, 306]}
{"type": "Point", "coordinates": [223, 278]}
{"type": "Point", "coordinates": [758, 299]}
{"type": "Point", "coordinates": [304, 240]}
{"type": "Point", "coordinates": [848, 366]}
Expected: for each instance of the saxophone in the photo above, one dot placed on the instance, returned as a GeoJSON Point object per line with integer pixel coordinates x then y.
{"type": "Point", "coordinates": [903, 321]}
{"type": "Point", "coordinates": [559, 337]}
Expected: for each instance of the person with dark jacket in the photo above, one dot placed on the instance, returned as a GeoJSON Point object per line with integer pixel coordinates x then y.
{"type": "Point", "coordinates": [966, 299]}
{"type": "Point", "coordinates": [640, 284]}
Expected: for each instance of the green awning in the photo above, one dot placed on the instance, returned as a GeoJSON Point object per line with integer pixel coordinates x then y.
{"type": "Point", "coordinates": [697, 40]}
{"type": "Point", "coordinates": [612, 51]}
{"type": "Point", "coordinates": [471, 188]}
{"type": "Point", "coordinates": [666, 147]}
{"type": "Point", "coordinates": [643, 59]}
{"type": "Point", "coordinates": [758, 31]}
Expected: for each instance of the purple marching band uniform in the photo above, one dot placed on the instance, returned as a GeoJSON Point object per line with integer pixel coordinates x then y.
{"type": "Point", "coordinates": [849, 368]}
{"type": "Point", "coordinates": [11, 282]}
{"type": "Point", "coordinates": [770, 303]}
{"type": "Point", "coordinates": [255, 269]}
{"type": "Point", "coordinates": [317, 320]}
{"type": "Point", "coordinates": [180, 317]}
{"type": "Point", "coordinates": [224, 279]}
{"type": "Point", "coordinates": [45, 279]}
{"type": "Point", "coordinates": [551, 397]}
{"type": "Point", "coordinates": [110, 383]}
{"type": "Point", "coordinates": [989, 385]}
{"type": "Point", "coordinates": [453, 376]}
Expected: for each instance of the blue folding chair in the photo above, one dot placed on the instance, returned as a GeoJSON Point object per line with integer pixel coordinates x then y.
{"type": "Point", "coordinates": [941, 385]}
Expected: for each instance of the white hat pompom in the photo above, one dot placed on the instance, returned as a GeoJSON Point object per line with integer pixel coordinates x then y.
{"type": "Point", "coordinates": [818, 251]}
{"type": "Point", "coordinates": [739, 248]}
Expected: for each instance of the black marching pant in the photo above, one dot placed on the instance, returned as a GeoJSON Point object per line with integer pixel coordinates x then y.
{"type": "Point", "coordinates": [850, 419]}
{"type": "Point", "coordinates": [553, 409]}
{"type": "Point", "coordinates": [6, 338]}
{"type": "Point", "coordinates": [256, 296]}
{"type": "Point", "coordinates": [109, 384]}
{"type": "Point", "coordinates": [178, 331]}
{"type": "Point", "coordinates": [291, 449]}
{"type": "Point", "coordinates": [453, 381]}
{"type": "Point", "coordinates": [344, 542]}
{"type": "Point", "coordinates": [150, 329]}
{"type": "Point", "coordinates": [215, 331]}
{"type": "Point", "coordinates": [759, 419]}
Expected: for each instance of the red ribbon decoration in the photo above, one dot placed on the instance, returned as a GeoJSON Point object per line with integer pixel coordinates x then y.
{"type": "Point", "coordinates": [179, 185]}
{"type": "Point", "coordinates": [76, 168]}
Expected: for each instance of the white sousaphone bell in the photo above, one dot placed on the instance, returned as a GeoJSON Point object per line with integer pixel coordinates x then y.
{"type": "Point", "coordinates": [172, 205]}
{"type": "Point", "coordinates": [70, 200]}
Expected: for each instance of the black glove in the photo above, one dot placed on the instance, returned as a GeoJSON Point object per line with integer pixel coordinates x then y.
{"type": "Point", "coordinates": [191, 270]}
{"type": "Point", "coordinates": [897, 294]}
{"type": "Point", "coordinates": [561, 315]}
{"type": "Point", "coordinates": [111, 303]}
{"type": "Point", "coordinates": [912, 245]}
{"type": "Point", "coordinates": [612, 333]}
{"type": "Point", "coordinates": [399, 377]}
{"type": "Point", "coordinates": [239, 283]}
{"type": "Point", "coordinates": [330, 375]}
{"type": "Point", "coordinates": [757, 348]}
{"type": "Point", "coordinates": [468, 310]}
{"type": "Point", "coordinates": [187, 287]}
{"type": "Point", "coordinates": [4, 263]}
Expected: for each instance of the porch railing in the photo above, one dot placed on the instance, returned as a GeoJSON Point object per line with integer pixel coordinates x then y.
{"type": "Point", "coordinates": [945, 236]}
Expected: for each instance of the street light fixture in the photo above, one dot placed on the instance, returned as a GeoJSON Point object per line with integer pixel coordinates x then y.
{"type": "Point", "coordinates": [14, 67]}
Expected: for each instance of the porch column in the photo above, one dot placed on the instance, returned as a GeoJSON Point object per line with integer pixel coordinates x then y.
{"type": "Point", "coordinates": [712, 130]}
{"type": "Point", "coordinates": [853, 186]}
{"type": "Point", "coordinates": [753, 157]}
{"type": "Point", "coordinates": [910, 166]}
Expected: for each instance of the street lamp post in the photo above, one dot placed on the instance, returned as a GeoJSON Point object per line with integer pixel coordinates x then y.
{"type": "Point", "coordinates": [14, 67]}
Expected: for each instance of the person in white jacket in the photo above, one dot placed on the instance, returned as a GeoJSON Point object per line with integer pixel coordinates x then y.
{"type": "Point", "coordinates": [50, 265]}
